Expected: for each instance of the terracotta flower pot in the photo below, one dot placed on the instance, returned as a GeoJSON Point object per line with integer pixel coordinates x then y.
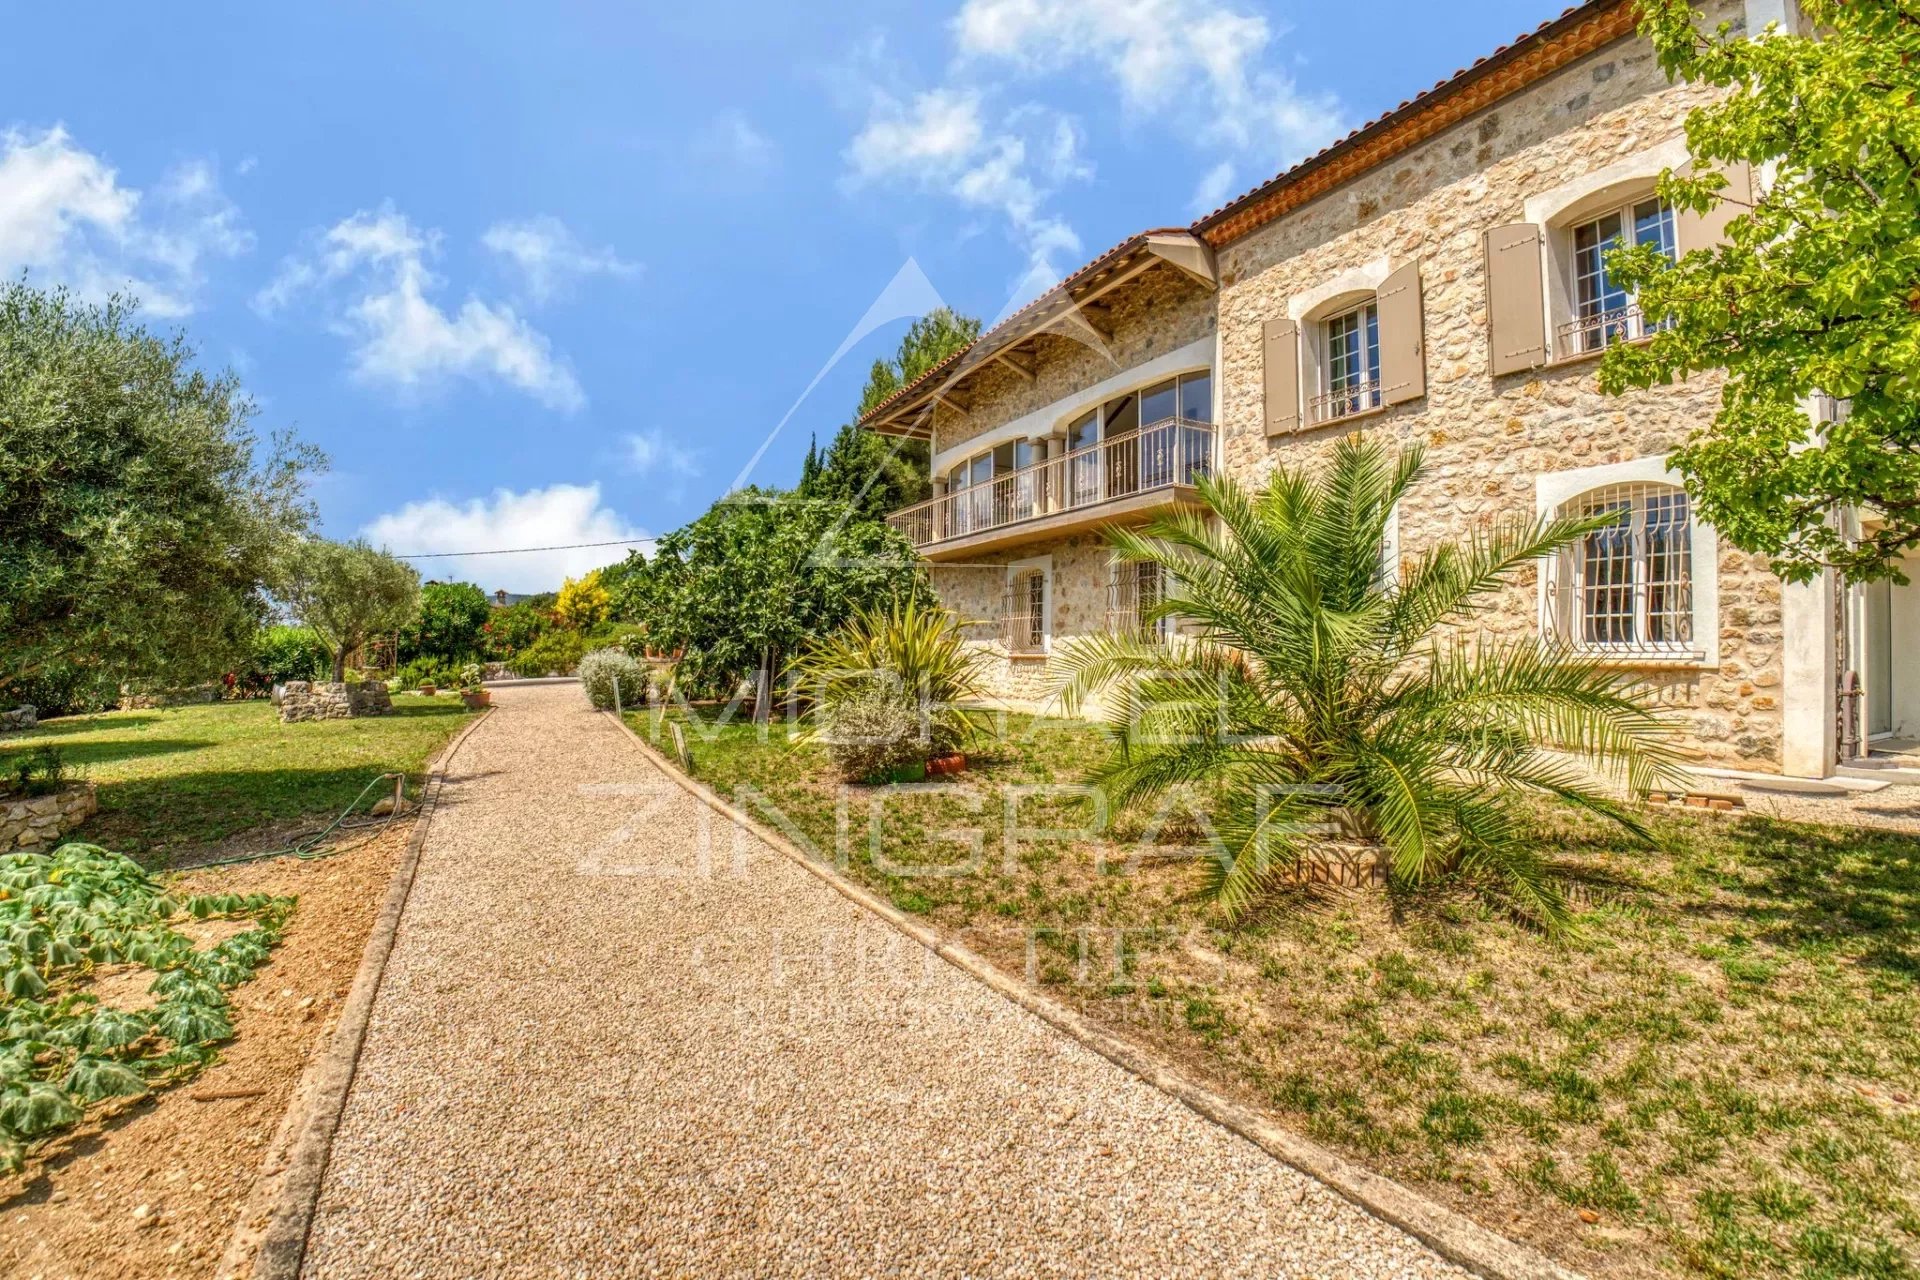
{"type": "Point", "coordinates": [427, 690]}
{"type": "Point", "coordinates": [949, 764]}
{"type": "Point", "coordinates": [477, 699]}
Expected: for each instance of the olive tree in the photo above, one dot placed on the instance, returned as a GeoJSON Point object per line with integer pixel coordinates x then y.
{"type": "Point", "coordinates": [139, 514]}
{"type": "Point", "coordinates": [348, 592]}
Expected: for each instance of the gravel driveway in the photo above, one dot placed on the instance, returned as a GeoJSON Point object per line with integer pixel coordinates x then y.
{"type": "Point", "coordinates": [606, 1045]}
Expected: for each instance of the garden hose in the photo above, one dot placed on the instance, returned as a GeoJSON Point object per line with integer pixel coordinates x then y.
{"type": "Point", "coordinates": [311, 847]}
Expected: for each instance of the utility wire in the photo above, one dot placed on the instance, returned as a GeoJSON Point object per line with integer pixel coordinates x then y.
{"type": "Point", "coordinates": [514, 551]}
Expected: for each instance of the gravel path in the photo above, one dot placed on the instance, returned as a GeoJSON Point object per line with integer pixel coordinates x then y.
{"type": "Point", "coordinates": [608, 1046]}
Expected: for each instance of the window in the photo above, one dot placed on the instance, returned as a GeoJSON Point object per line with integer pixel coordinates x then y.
{"type": "Point", "coordinates": [1628, 585]}
{"type": "Point", "coordinates": [1132, 592]}
{"type": "Point", "coordinates": [1025, 611]}
{"type": "Point", "coordinates": [1605, 313]}
{"type": "Point", "coordinates": [1351, 341]}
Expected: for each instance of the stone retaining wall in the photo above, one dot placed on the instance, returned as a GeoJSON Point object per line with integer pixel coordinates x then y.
{"type": "Point", "coordinates": [35, 824]}
{"type": "Point", "coordinates": [19, 719]}
{"type": "Point", "coordinates": [324, 700]}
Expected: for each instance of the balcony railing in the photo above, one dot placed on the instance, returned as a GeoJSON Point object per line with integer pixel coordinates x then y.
{"type": "Point", "coordinates": [1601, 330]}
{"type": "Point", "coordinates": [1167, 453]}
{"type": "Point", "coordinates": [1345, 402]}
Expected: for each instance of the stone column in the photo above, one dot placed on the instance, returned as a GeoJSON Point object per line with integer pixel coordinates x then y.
{"type": "Point", "coordinates": [1809, 678]}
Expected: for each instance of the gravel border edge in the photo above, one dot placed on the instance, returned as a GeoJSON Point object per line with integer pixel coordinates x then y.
{"type": "Point", "coordinates": [283, 1248]}
{"type": "Point", "coordinates": [1453, 1236]}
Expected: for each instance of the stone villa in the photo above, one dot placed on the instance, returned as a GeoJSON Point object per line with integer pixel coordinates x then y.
{"type": "Point", "coordinates": [1435, 276]}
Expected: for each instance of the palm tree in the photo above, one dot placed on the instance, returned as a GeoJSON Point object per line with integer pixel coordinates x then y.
{"type": "Point", "coordinates": [1311, 689]}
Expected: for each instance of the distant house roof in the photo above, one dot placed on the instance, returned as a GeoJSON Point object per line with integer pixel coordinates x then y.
{"type": "Point", "coordinates": [1554, 44]}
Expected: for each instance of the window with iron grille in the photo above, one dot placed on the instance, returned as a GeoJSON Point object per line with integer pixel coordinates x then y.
{"type": "Point", "coordinates": [1627, 586]}
{"type": "Point", "coordinates": [1604, 312]}
{"type": "Point", "coordinates": [1132, 592]}
{"type": "Point", "coordinates": [1025, 612]}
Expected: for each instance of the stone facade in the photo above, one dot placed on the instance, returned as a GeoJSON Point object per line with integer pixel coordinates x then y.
{"type": "Point", "coordinates": [35, 824]}
{"type": "Point", "coordinates": [1488, 439]}
{"type": "Point", "coordinates": [1611, 121]}
{"type": "Point", "coordinates": [19, 719]}
{"type": "Point", "coordinates": [301, 700]}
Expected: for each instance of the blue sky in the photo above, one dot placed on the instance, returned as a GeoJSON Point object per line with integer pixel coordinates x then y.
{"type": "Point", "coordinates": [552, 274]}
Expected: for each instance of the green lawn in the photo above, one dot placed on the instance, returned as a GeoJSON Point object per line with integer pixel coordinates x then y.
{"type": "Point", "coordinates": [175, 779]}
{"type": "Point", "coordinates": [1716, 1076]}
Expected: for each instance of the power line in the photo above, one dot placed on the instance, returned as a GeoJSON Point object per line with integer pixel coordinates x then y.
{"type": "Point", "coordinates": [514, 551]}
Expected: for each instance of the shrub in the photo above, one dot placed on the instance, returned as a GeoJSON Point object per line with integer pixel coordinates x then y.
{"type": "Point", "coordinates": [281, 654]}
{"type": "Point", "coordinates": [555, 653]}
{"type": "Point", "coordinates": [447, 622]}
{"type": "Point", "coordinates": [917, 644]}
{"type": "Point", "coordinates": [598, 671]}
{"type": "Point", "coordinates": [507, 631]}
{"type": "Point", "coordinates": [583, 602]}
{"type": "Point", "coordinates": [63, 689]}
{"type": "Point", "coordinates": [41, 771]}
{"type": "Point", "coordinates": [434, 671]}
{"type": "Point", "coordinates": [871, 731]}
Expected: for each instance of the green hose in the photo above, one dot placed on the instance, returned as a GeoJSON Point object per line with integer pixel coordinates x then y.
{"type": "Point", "coordinates": [310, 848]}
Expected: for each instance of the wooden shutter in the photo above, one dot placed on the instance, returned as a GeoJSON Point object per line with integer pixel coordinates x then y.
{"type": "Point", "coordinates": [1403, 340]}
{"type": "Point", "coordinates": [1705, 230]}
{"type": "Point", "coordinates": [1516, 302]}
{"type": "Point", "coordinates": [1280, 351]}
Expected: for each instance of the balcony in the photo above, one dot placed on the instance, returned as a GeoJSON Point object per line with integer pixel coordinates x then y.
{"type": "Point", "coordinates": [1101, 483]}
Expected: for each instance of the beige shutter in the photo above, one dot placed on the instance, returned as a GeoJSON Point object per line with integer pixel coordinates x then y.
{"type": "Point", "coordinates": [1280, 350]}
{"type": "Point", "coordinates": [1403, 340]}
{"type": "Point", "coordinates": [1516, 303]}
{"type": "Point", "coordinates": [1705, 230]}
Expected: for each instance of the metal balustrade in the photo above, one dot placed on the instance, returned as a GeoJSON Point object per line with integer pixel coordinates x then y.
{"type": "Point", "coordinates": [1602, 329]}
{"type": "Point", "coordinates": [1168, 453]}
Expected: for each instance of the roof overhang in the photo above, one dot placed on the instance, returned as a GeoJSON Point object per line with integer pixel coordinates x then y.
{"type": "Point", "coordinates": [1073, 308]}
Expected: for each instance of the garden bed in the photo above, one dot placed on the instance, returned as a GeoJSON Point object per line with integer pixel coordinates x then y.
{"type": "Point", "coordinates": [191, 1155]}
{"type": "Point", "coordinates": [1717, 1073]}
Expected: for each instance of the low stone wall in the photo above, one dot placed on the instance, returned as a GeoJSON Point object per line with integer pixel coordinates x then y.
{"type": "Point", "coordinates": [35, 824]}
{"type": "Point", "coordinates": [301, 700]}
{"type": "Point", "coordinates": [20, 718]}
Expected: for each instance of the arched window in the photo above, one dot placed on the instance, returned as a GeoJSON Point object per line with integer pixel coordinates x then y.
{"type": "Point", "coordinates": [1628, 586]}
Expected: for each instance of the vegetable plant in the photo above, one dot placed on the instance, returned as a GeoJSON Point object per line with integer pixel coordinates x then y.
{"type": "Point", "coordinates": [65, 914]}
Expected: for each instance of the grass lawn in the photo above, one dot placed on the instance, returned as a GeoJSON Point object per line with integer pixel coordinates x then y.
{"type": "Point", "coordinates": [1717, 1075]}
{"type": "Point", "coordinates": [184, 777]}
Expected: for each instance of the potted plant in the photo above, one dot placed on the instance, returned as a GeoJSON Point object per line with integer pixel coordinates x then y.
{"type": "Point", "coordinates": [472, 692]}
{"type": "Point", "coordinates": [427, 688]}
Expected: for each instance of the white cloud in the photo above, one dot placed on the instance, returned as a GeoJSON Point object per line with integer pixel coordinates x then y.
{"type": "Point", "coordinates": [66, 216]}
{"type": "Point", "coordinates": [1196, 62]}
{"type": "Point", "coordinates": [549, 258]}
{"type": "Point", "coordinates": [644, 452]}
{"type": "Point", "coordinates": [558, 515]}
{"type": "Point", "coordinates": [940, 141]}
{"type": "Point", "coordinates": [1215, 187]}
{"type": "Point", "coordinates": [733, 141]}
{"type": "Point", "coordinates": [1200, 70]}
{"type": "Point", "coordinates": [372, 267]}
